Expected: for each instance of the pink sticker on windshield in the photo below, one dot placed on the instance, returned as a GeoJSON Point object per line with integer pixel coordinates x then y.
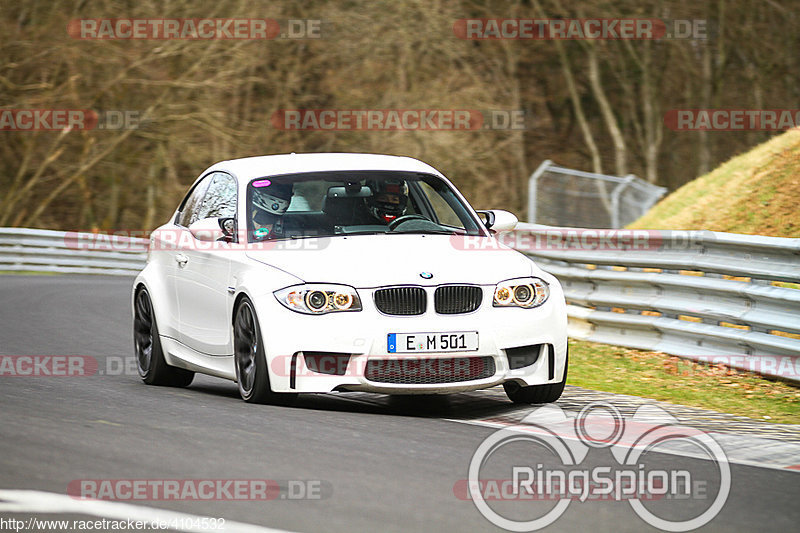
{"type": "Point", "coordinates": [262, 183]}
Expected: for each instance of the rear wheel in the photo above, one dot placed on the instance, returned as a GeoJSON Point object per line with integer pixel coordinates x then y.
{"type": "Point", "coordinates": [250, 360]}
{"type": "Point", "coordinates": [537, 393]}
{"type": "Point", "coordinates": [150, 362]}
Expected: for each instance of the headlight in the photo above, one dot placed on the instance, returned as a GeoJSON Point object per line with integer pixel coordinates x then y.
{"type": "Point", "coordinates": [521, 292]}
{"type": "Point", "coordinates": [318, 299]}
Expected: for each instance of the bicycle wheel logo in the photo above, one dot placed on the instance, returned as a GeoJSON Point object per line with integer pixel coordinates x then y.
{"type": "Point", "coordinates": [569, 473]}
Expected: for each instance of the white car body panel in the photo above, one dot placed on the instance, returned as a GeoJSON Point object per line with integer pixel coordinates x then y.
{"type": "Point", "coordinates": [378, 260]}
{"type": "Point", "coordinates": [202, 292]}
{"type": "Point", "coordinates": [194, 300]}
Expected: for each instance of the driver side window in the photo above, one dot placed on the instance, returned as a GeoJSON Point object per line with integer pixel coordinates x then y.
{"type": "Point", "coordinates": [220, 197]}
{"type": "Point", "coordinates": [192, 203]}
{"type": "Point", "coordinates": [214, 196]}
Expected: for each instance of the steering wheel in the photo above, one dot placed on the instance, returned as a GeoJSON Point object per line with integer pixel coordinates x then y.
{"type": "Point", "coordinates": [405, 218]}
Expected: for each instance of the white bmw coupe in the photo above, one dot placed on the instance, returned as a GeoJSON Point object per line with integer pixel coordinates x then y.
{"type": "Point", "coordinates": [324, 272]}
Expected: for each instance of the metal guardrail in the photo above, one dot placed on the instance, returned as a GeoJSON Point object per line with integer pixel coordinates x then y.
{"type": "Point", "coordinates": [692, 294]}
{"type": "Point", "coordinates": [695, 294]}
{"type": "Point", "coordinates": [35, 250]}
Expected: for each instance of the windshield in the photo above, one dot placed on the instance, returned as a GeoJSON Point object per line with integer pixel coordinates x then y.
{"type": "Point", "coordinates": [322, 204]}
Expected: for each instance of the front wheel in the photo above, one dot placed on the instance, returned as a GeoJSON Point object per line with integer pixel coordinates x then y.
{"type": "Point", "coordinates": [150, 362]}
{"type": "Point", "coordinates": [537, 393]}
{"type": "Point", "coordinates": [250, 361]}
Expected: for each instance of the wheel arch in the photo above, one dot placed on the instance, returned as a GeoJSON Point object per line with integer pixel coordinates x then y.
{"type": "Point", "coordinates": [236, 301]}
{"type": "Point", "coordinates": [159, 300]}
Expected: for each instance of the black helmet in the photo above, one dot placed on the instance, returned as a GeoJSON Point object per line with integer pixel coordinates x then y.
{"type": "Point", "coordinates": [389, 198]}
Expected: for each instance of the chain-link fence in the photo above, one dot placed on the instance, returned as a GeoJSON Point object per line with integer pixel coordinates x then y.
{"type": "Point", "coordinates": [560, 196]}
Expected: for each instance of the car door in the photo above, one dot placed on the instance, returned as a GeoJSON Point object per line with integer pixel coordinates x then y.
{"type": "Point", "coordinates": [204, 272]}
{"type": "Point", "coordinates": [166, 251]}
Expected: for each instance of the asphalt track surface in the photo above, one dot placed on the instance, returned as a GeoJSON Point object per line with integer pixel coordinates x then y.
{"type": "Point", "coordinates": [385, 464]}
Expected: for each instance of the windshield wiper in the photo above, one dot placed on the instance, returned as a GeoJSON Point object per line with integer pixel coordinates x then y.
{"type": "Point", "coordinates": [423, 232]}
{"type": "Point", "coordinates": [365, 232]}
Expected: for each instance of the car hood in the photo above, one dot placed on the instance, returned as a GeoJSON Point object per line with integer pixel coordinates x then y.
{"type": "Point", "coordinates": [376, 260]}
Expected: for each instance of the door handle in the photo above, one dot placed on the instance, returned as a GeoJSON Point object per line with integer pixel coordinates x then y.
{"type": "Point", "coordinates": [181, 259]}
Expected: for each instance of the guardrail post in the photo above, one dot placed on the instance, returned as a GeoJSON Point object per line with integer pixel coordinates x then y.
{"type": "Point", "coordinates": [615, 195]}
{"type": "Point", "coordinates": [532, 188]}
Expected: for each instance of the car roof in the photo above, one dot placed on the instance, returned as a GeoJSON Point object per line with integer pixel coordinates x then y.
{"type": "Point", "coordinates": [248, 168]}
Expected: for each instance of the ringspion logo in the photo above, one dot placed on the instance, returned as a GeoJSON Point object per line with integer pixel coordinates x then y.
{"type": "Point", "coordinates": [547, 452]}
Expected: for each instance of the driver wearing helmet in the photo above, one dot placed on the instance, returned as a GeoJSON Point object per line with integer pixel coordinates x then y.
{"type": "Point", "coordinates": [268, 207]}
{"type": "Point", "coordinates": [389, 199]}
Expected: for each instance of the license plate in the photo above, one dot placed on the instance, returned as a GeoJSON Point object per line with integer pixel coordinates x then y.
{"type": "Point", "coordinates": [458, 341]}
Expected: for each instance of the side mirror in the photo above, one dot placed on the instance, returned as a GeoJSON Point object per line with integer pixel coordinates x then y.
{"type": "Point", "coordinates": [228, 226]}
{"type": "Point", "coordinates": [214, 229]}
{"type": "Point", "coordinates": [487, 217]}
{"type": "Point", "coordinates": [498, 220]}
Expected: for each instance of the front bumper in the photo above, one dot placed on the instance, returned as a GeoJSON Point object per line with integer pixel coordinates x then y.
{"type": "Point", "coordinates": [341, 351]}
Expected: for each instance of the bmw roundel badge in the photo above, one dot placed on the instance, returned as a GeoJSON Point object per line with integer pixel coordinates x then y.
{"type": "Point", "coordinates": [425, 275]}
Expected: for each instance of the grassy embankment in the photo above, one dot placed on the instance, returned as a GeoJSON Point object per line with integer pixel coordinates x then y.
{"type": "Point", "coordinates": [757, 192]}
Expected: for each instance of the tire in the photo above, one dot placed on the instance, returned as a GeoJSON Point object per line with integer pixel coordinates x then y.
{"type": "Point", "coordinates": [150, 362]}
{"type": "Point", "coordinates": [537, 393]}
{"type": "Point", "coordinates": [250, 361]}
